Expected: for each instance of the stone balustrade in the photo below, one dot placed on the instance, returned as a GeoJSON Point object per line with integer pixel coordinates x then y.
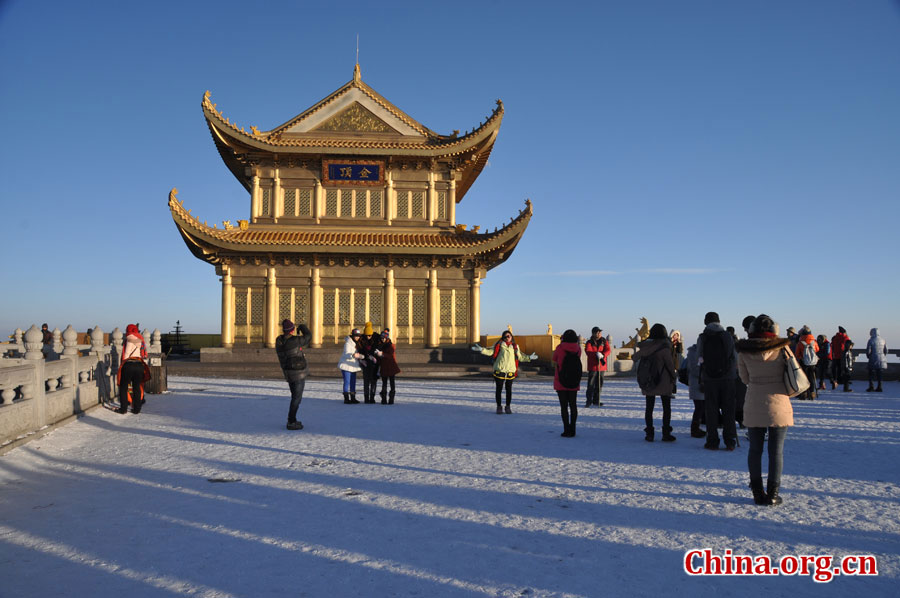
{"type": "Point", "coordinates": [41, 385]}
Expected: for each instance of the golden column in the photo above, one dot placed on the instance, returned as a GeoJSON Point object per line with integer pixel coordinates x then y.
{"type": "Point", "coordinates": [277, 200]}
{"type": "Point", "coordinates": [452, 198]}
{"type": "Point", "coordinates": [315, 308]}
{"type": "Point", "coordinates": [475, 307]}
{"type": "Point", "coordinates": [390, 203]}
{"type": "Point", "coordinates": [432, 323]}
{"type": "Point", "coordinates": [270, 321]}
{"type": "Point", "coordinates": [429, 206]}
{"type": "Point", "coordinates": [227, 308]}
{"type": "Point", "coordinates": [390, 304]}
{"type": "Point", "coordinates": [254, 198]}
{"type": "Point", "coordinates": [317, 202]}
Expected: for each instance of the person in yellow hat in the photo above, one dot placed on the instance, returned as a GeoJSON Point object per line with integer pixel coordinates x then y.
{"type": "Point", "coordinates": [366, 346]}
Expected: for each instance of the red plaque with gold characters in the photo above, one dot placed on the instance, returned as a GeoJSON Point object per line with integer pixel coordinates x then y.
{"type": "Point", "coordinates": [353, 172]}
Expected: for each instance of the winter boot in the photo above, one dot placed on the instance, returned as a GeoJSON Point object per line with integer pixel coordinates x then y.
{"type": "Point", "coordinates": [566, 426]}
{"type": "Point", "coordinates": [821, 386]}
{"type": "Point", "coordinates": [384, 397]}
{"type": "Point", "coordinates": [391, 397]}
{"type": "Point", "coordinates": [879, 389]}
{"type": "Point", "coordinates": [499, 409]}
{"type": "Point", "coordinates": [847, 387]}
{"type": "Point", "coordinates": [667, 434]}
{"type": "Point", "coordinates": [347, 398]}
{"type": "Point", "coordinates": [871, 388]}
{"type": "Point", "coordinates": [833, 385]}
{"type": "Point", "coordinates": [297, 425]}
{"type": "Point", "coordinates": [353, 398]}
{"type": "Point", "coordinates": [697, 431]}
{"type": "Point", "coordinates": [759, 497]}
{"type": "Point", "coordinates": [772, 494]}
{"type": "Point", "coordinates": [507, 410]}
{"type": "Point", "coordinates": [648, 433]}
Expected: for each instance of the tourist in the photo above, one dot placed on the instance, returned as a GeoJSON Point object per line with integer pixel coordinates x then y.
{"type": "Point", "coordinates": [133, 370]}
{"type": "Point", "coordinates": [806, 353]}
{"type": "Point", "coordinates": [740, 389]}
{"type": "Point", "coordinates": [839, 369]}
{"type": "Point", "coordinates": [677, 348]}
{"type": "Point", "coordinates": [597, 350]}
{"type": "Point", "coordinates": [768, 412]}
{"type": "Point", "coordinates": [567, 379]}
{"type": "Point", "coordinates": [656, 377]}
{"type": "Point", "coordinates": [366, 346]}
{"type": "Point", "coordinates": [506, 355]}
{"type": "Point", "coordinates": [349, 366]}
{"type": "Point", "coordinates": [823, 367]}
{"type": "Point", "coordinates": [698, 417]}
{"type": "Point", "coordinates": [387, 366]}
{"type": "Point", "coordinates": [716, 357]}
{"type": "Point", "coordinates": [876, 351]}
{"type": "Point", "coordinates": [47, 342]}
{"type": "Point", "coordinates": [793, 338]}
{"type": "Point", "coordinates": [289, 348]}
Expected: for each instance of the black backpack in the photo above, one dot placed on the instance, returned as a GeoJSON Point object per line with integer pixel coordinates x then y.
{"type": "Point", "coordinates": [715, 355]}
{"type": "Point", "coordinates": [570, 371]}
{"type": "Point", "coordinates": [684, 374]}
{"type": "Point", "coordinates": [647, 378]}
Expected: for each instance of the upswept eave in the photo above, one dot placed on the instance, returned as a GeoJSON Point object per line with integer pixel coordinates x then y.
{"type": "Point", "coordinates": [206, 242]}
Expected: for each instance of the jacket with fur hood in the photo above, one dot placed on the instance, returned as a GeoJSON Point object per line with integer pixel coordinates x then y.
{"type": "Point", "coordinates": [658, 351]}
{"type": "Point", "coordinates": [348, 361]}
{"type": "Point", "coordinates": [761, 368]}
{"type": "Point", "coordinates": [876, 351]}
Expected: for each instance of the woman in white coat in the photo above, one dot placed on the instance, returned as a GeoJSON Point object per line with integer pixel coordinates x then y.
{"type": "Point", "coordinates": [349, 366]}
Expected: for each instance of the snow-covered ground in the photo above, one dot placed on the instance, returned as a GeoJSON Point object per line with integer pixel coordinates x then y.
{"type": "Point", "coordinates": [434, 496]}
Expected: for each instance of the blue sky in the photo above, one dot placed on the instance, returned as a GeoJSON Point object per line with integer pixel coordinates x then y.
{"type": "Point", "coordinates": [681, 156]}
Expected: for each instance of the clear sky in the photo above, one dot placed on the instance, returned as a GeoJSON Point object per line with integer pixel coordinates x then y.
{"type": "Point", "coordinates": [741, 157]}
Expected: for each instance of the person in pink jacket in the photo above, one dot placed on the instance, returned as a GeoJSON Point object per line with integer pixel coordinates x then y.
{"type": "Point", "coordinates": [568, 393]}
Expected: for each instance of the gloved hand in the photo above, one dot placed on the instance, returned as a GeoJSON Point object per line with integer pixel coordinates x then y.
{"type": "Point", "coordinates": [476, 347]}
{"type": "Point", "coordinates": [533, 356]}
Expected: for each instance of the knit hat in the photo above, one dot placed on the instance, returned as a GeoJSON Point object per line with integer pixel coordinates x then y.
{"type": "Point", "coordinates": [790, 330]}
{"type": "Point", "coordinates": [287, 326]}
{"type": "Point", "coordinates": [595, 330]}
{"type": "Point", "coordinates": [711, 317]}
{"type": "Point", "coordinates": [368, 330]}
{"type": "Point", "coordinates": [841, 329]}
{"type": "Point", "coordinates": [355, 332]}
{"type": "Point", "coordinates": [386, 332]}
{"type": "Point", "coordinates": [805, 330]}
{"type": "Point", "coordinates": [131, 329]}
{"type": "Point", "coordinates": [569, 336]}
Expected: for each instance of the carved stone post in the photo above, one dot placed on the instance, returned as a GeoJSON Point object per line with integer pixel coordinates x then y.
{"type": "Point", "coordinates": [70, 341]}
{"type": "Point", "coordinates": [155, 341]}
{"type": "Point", "coordinates": [96, 341]}
{"type": "Point", "coordinates": [35, 387]}
{"type": "Point", "coordinates": [57, 342]}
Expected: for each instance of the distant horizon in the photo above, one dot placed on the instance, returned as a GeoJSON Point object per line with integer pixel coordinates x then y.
{"type": "Point", "coordinates": [680, 157]}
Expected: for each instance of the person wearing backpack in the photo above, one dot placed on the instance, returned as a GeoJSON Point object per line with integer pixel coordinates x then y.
{"type": "Point", "coordinates": [289, 348]}
{"type": "Point", "coordinates": [838, 347]}
{"type": "Point", "coordinates": [567, 379]}
{"type": "Point", "coordinates": [597, 350]}
{"type": "Point", "coordinates": [656, 377]}
{"type": "Point", "coordinates": [807, 355]}
{"type": "Point", "coordinates": [506, 355]}
{"type": "Point", "coordinates": [718, 369]}
{"type": "Point", "coordinates": [823, 368]}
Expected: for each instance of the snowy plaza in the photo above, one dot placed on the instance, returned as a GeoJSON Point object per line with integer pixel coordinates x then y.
{"type": "Point", "coordinates": [206, 494]}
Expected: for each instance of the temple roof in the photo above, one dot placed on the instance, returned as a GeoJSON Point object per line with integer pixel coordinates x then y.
{"type": "Point", "coordinates": [355, 120]}
{"type": "Point", "coordinates": [211, 243]}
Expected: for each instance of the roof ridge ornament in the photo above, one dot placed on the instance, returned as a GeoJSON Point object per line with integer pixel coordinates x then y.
{"type": "Point", "coordinates": [357, 77]}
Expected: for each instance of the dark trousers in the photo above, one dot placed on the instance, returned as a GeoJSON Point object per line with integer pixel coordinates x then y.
{"type": "Point", "coordinates": [740, 394]}
{"type": "Point", "coordinates": [370, 381]}
{"type": "Point", "coordinates": [296, 396]}
{"type": "Point", "coordinates": [500, 384]}
{"type": "Point", "coordinates": [699, 415]}
{"type": "Point", "coordinates": [823, 370]}
{"type": "Point", "coordinates": [132, 373]}
{"type": "Point", "coordinates": [776, 452]}
{"type": "Point", "coordinates": [719, 395]}
{"type": "Point", "coordinates": [667, 412]}
{"type": "Point", "coordinates": [568, 408]}
{"type": "Point", "coordinates": [384, 384]}
{"type": "Point", "coordinates": [594, 386]}
{"type": "Point", "coordinates": [810, 371]}
{"type": "Point", "coordinates": [837, 371]}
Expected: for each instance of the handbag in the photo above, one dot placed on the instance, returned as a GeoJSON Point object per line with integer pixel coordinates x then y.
{"type": "Point", "coordinates": [795, 380]}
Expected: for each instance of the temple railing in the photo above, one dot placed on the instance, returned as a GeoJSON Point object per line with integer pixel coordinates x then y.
{"type": "Point", "coordinates": [41, 385]}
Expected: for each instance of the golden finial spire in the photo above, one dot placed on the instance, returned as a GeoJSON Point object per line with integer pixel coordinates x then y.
{"type": "Point", "coordinates": [356, 76]}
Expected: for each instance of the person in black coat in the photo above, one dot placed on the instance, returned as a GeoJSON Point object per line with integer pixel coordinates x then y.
{"type": "Point", "coordinates": [289, 348]}
{"type": "Point", "coordinates": [656, 377]}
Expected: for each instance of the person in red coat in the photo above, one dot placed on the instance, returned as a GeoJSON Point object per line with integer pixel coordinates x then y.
{"type": "Point", "coordinates": [387, 363]}
{"type": "Point", "coordinates": [597, 350]}
{"type": "Point", "coordinates": [132, 370]}
{"type": "Point", "coordinates": [568, 396]}
{"type": "Point", "coordinates": [838, 346]}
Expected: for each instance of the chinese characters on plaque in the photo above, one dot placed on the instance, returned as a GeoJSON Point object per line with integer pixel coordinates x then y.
{"type": "Point", "coordinates": [353, 172]}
